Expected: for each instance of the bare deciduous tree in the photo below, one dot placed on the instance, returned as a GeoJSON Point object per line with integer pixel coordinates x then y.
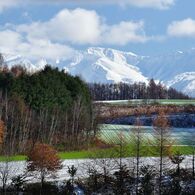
{"type": "Point", "coordinates": [137, 145]}
{"type": "Point", "coordinates": [7, 170]}
{"type": "Point", "coordinates": [162, 143]}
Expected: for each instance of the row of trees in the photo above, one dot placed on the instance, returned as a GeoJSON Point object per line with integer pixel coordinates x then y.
{"type": "Point", "coordinates": [116, 174]}
{"type": "Point", "coordinates": [139, 174]}
{"type": "Point", "coordinates": [137, 145]}
{"type": "Point", "coordinates": [48, 107]}
{"type": "Point", "coordinates": [123, 91]}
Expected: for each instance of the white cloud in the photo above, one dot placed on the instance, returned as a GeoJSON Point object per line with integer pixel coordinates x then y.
{"type": "Point", "coordinates": [156, 4]}
{"type": "Point", "coordinates": [82, 26]}
{"type": "Point", "coordinates": [4, 4]}
{"type": "Point", "coordinates": [159, 4]}
{"type": "Point", "coordinates": [9, 40]}
{"type": "Point", "coordinates": [13, 42]}
{"type": "Point", "coordinates": [36, 49]}
{"type": "Point", "coordinates": [52, 39]}
{"type": "Point", "coordinates": [76, 26]}
{"type": "Point", "coordinates": [125, 32]}
{"type": "Point", "coordinates": [183, 28]}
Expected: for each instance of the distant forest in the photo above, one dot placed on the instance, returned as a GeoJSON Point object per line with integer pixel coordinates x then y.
{"type": "Point", "coordinates": [123, 91]}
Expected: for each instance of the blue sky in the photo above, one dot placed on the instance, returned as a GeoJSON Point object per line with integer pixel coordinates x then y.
{"type": "Point", "coordinates": [53, 30]}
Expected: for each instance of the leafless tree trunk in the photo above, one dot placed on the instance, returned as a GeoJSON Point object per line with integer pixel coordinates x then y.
{"type": "Point", "coordinates": [162, 143]}
{"type": "Point", "coordinates": [193, 161]}
{"type": "Point", "coordinates": [136, 142]}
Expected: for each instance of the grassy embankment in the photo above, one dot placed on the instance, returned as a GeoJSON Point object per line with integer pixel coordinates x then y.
{"type": "Point", "coordinates": [105, 153]}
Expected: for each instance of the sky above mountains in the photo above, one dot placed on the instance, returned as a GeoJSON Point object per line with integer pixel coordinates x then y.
{"type": "Point", "coordinates": [56, 28]}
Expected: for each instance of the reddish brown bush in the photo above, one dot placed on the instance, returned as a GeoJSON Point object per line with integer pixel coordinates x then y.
{"type": "Point", "coordinates": [44, 159]}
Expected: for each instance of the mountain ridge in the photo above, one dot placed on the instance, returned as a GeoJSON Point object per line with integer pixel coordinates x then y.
{"type": "Point", "coordinates": [106, 65]}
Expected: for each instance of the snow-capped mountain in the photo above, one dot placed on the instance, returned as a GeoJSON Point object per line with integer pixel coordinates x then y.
{"type": "Point", "coordinates": [185, 82]}
{"type": "Point", "coordinates": [106, 65]}
{"type": "Point", "coordinates": [12, 60]}
{"type": "Point", "coordinates": [175, 70]}
{"type": "Point", "coordinates": [96, 64]}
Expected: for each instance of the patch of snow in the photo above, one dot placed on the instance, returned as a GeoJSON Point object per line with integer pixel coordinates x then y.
{"type": "Point", "coordinates": [82, 165]}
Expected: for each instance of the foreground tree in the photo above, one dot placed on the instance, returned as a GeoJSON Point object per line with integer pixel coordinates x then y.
{"type": "Point", "coordinates": [147, 185]}
{"type": "Point", "coordinates": [162, 143]}
{"type": "Point", "coordinates": [193, 160]}
{"type": "Point", "coordinates": [123, 174]}
{"type": "Point", "coordinates": [192, 151]}
{"type": "Point", "coordinates": [137, 145]}
{"type": "Point", "coordinates": [19, 181]}
{"type": "Point", "coordinates": [72, 172]}
{"type": "Point", "coordinates": [177, 159]}
{"type": "Point", "coordinates": [44, 159]}
{"type": "Point", "coordinates": [7, 170]}
{"type": "Point", "coordinates": [122, 177]}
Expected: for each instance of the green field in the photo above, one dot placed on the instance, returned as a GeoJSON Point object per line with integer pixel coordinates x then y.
{"type": "Point", "coordinates": [111, 134]}
{"type": "Point", "coordinates": [106, 153]}
{"type": "Point", "coordinates": [149, 102]}
{"type": "Point", "coordinates": [12, 158]}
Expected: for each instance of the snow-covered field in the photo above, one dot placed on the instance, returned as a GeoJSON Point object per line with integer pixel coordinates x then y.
{"type": "Point", "coordinates": [111, 132]}
{"type": "Point", "coordinates": [83, 166]}
{"type": "Point", "coordinates": [141, 101]}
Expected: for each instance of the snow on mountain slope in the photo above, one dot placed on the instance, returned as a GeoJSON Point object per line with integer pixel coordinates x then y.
{"type": "Point", "coordinates": [106, 65]}
{"type": "Point", "coordinates": [185, 82]}
{"type": "Point", "coordinates": [12, 60]}
{"type": "Point", "coordinates": [175, 70]}
{"type": "Point", "coordinates": [167, 66]}
{"type": "Point", "coordinates": [102, 65]}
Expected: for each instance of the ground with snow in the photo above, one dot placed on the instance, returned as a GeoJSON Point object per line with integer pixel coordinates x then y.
{"type": "Point", "coordinates": [83, 165]}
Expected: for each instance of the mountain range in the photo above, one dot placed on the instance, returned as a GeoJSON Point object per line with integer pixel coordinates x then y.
{"type": "Point", "coordinates": [105, 65]}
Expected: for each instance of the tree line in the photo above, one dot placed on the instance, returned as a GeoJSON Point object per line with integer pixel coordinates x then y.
{"type": "Point", "coordinates": [48, 106]}
{"type": "Point", "coordinates": [124, 91]}
{"type": "Point", "coordinates": [138, 175]}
